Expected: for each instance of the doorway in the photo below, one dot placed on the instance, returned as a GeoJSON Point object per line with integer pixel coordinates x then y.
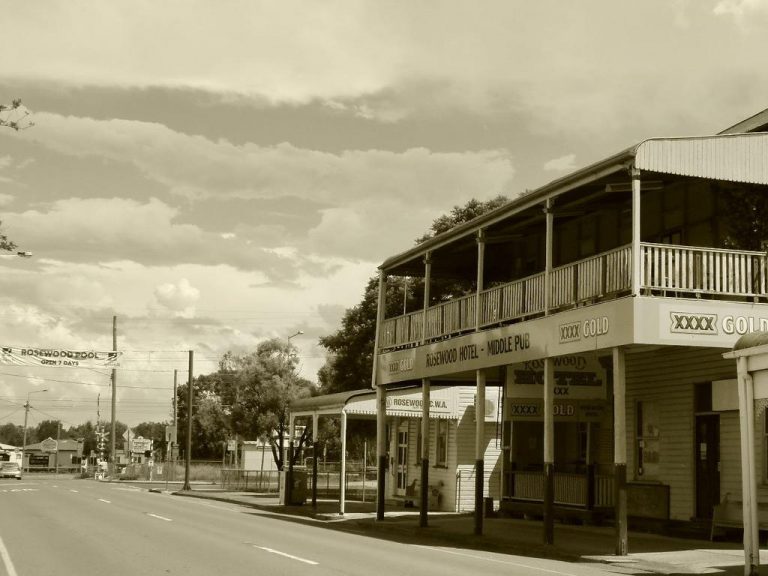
{"type": "Point", "coordinates": [707, 454]}
{"type": "Point", "coordinates": [401, 462]}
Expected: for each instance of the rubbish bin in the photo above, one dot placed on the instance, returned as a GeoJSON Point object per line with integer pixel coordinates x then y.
{"type": "Point", "coordinates": [298, 487]}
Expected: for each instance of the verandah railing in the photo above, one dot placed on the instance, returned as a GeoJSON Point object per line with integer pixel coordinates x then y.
{"type": "Point", "coordinates": [703, 270]}
{"type": "Point", "coordinates": [588, 490]}
{"type": "Point", "coordinates": [665, 270]}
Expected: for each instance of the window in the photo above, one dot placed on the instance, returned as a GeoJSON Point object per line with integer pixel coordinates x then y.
{"type": "Point", "coordinates": [441, 458]}
{"type": "Point", "coordinates": [647, 440]}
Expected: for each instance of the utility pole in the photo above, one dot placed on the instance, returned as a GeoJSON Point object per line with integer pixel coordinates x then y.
{"type": "Point", "coordinates": [26, 415]}
{"type": "Point", "coordinates": [58, 439]}
{"type": "Point", "coordinates": [174, 438]}
{"type": "Point", "coordinates": [190, 398]}
{"type": "Point", "coordinates": [112, 453]}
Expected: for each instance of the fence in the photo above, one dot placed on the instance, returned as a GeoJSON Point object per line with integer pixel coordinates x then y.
{"type": "Point", "coordinates": [264, 481]}
{"type": "Point", "coordinates": [360, 481]}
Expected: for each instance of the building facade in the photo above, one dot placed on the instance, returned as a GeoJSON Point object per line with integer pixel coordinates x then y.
{"type": "Point", "coordinates": [450, 441]}
{"type": "Point", "coordinates": [601, 304]}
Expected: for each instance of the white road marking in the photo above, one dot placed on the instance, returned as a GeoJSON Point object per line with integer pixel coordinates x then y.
{"type": "Point", "coordinates": [7, 559]}
{"type": "Point", "coordinates": [159, 517]}
{"type": "Point", "coordinates": [71, 490]}
{"type": "Point", "coordinates": [284, 554]}
{"type": "Point", "coordinates": [477, 557]}
{"type": "Point", "coordinates": [105, 501]}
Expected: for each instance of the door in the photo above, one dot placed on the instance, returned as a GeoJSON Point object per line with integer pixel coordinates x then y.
{"type": "Point", "coordinates": [401, 462]}
{"type": "Point", "coordinates": [707, 464]}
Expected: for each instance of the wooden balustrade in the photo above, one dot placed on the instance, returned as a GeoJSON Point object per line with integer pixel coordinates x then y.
{"type": "Point", "coordinates": [665, 269]}
{"type": "Point", "coordinates": [571, 489]}
{"type": "Point", "coordinates": [703, 270]}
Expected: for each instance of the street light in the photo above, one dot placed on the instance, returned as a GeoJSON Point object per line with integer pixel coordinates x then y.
{"type": "Point", "coordinates": [299, 333]}
{"type": "Point", "coordinates": [26, 414]}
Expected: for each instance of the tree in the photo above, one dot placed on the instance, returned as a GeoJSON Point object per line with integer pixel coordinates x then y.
{"type": "Point", "coordinates": [745, 211]}
{"type": "Point", "coordinates": [5, 243]}
{"type": "Point", "coordinates": [350, 358]}
{"type": "Point", "coordinates": [260, 390]}
{"type": "Point", "coordinates": [47, 429]}
{"type": "Point", "coordinates": [210, 424]}
{"type": "Point", "coordinates": [15, 116]}
{"type": "Point", "coordinates": [12, 434]}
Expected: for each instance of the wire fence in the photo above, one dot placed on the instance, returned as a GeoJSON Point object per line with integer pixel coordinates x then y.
{"type": "Point", "coordinates": [360, 481]}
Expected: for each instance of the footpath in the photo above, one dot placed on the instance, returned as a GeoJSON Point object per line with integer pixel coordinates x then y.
{"type": "Point", "coordinates": [649, 553]}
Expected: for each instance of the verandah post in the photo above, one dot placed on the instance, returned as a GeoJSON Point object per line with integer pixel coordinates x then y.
{"type": "Point", "coordinates": [425, 401]}
{"type": "Point", "coordinates": [620, 450]}
{"type": "Point", "coordinates": [549, 451]}
{"type": "Point", "coordinates": [479, 450]}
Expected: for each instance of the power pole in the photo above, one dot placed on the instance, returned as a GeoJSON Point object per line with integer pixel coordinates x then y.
{"type": "Point", "coordinates": [112, 453]}
{"type": "Point", "coordinates": [190, 397]}
{"type": "Point", "coordinates": [175, 437]}
{"type": "Point", "coordinates": [58, 439]}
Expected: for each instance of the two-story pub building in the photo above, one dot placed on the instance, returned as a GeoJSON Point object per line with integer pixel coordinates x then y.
{"type": "Point", "coordinates": [601, 304]}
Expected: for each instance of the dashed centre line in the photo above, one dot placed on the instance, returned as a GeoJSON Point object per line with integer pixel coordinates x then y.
{"type": "Point", "coordinates": [286, 555]}
{"type": "Point", "coordinates": [75, 491]}
{"type": "Point", "coordinates": [159, 517]}
{"type": "Point", "coordinates": [105, 501]}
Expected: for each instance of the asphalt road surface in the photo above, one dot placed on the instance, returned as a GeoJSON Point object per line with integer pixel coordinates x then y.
{"type": "Point", "coordinates": [52, 526]}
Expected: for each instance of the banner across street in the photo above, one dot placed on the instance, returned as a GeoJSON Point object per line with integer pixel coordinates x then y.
{"type": "Point", "coordinates": [59, 357]}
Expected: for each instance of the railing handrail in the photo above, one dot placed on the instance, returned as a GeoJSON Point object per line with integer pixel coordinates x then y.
{"type": "Point", "coordinates": [593, 257]}
{"type": "Point", "coordinates": [598, 276]}
{"type": "Point", "coordinates": [511, 283]}
{"type": "Point", "coordinates": [703, 249]}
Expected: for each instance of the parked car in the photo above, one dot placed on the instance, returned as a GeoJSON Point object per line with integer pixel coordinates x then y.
{"type": "Point", "coordinates": [10, 470]}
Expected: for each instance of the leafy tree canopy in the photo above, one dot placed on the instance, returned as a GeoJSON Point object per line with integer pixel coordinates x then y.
{"type": "Point", "coordinates": [15, 116]}
{"type": "Point", "coordinates": [249, 396]}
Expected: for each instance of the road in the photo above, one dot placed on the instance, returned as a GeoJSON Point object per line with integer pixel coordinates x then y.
{"type": "Point", "coordinates": [62, 526]}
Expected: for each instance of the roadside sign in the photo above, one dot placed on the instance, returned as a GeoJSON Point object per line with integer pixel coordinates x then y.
{"type": "Point", "coordinates": [141, 444]}
{"type": "Point", "coordinates": [231, 446]}
{"type": "Point", "coordinates": [170, 434]}
{"type": "Point", "coordinates": [49, 445]}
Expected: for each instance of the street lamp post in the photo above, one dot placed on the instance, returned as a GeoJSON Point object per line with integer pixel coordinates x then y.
{"type": "Point", "coordinates": [299, 333]}
{"type": "Point", "coordinates": [26, 415]}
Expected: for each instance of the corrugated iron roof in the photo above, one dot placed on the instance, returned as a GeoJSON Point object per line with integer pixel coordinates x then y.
{"type": "Point", "coordinates": [732, 157]}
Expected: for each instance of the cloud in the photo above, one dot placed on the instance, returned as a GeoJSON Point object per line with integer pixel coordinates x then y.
{"type": "Point", "coordinates": [318, 201]}
{"type": "Point", "coordinates": [740, 9]}
{"type": "Point", "coordinates": [179, 298]}
{"type": "Point", "coordinates": [563, 164]}
{"type": "Point", "coordinates": [113, 229]}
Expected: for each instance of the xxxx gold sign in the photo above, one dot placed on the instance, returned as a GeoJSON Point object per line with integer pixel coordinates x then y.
{"type": "Point", "coordinates": [687, 323]}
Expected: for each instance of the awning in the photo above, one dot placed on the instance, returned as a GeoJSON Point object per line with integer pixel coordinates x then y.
{"type": "Point", "coordinates": [730, 157]}
{"type": "Point", "coordinates": [403, 403]}
{"type": "Point", "coordinates": [444, 403]}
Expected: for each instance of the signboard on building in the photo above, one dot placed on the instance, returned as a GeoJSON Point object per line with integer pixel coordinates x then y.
{"type": "Point", "coordinates": [39, 460]}
{"type": "Point", "coordinates": [577, 376]}
{"type": "Point", "coordinates": [140, 445]}
{"type": "Point", "coordinates": [49, 445]}
{"type": "Point", "coordinates": [578, 331]}
{"type": "Point", "coordinates": [563, 410]}
{"type": "Point", "coordinates": [697, 322]}
{"type": "Point", "coordinates": [443, 403]}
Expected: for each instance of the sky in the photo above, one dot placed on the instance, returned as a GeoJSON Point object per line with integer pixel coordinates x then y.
{"type": "Point", "coordinates": [213, 174]}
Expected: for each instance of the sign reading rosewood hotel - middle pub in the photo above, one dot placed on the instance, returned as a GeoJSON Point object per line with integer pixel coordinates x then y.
{"type": "Point", "coordinates": [574, 332]}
